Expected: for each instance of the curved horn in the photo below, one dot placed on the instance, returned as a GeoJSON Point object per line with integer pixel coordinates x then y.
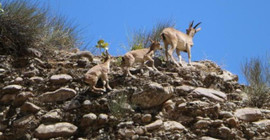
{"type": "Point", "coordinates": [191, 24]}
{"type": "Point", "coordinates": [197, 25]}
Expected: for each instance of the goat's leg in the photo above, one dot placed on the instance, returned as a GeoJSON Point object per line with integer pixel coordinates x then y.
{"type": "Point", "coordinates": [98, 89]}
{"type": "Point", "coordinates": [92, 82]}
{"type": "Point", "coordinates": [141, 67]}
{"type": "Point", "coordinates": [166, 50]}
{"type": "Point", "coordinates": [179, 56]}
{"type": "Point", "coordinates": [95, 88]}
{"type": "Point", "coordinates": [189, 54]}
{"type": "Point", "coordinates": [130, 62]}
{"type": "Point", "coordinates": [125, 70]}
{"type": "Point", "coordinates": [171, 54]}
{"type": "Point", "coordinates": [105, 81]}
{"type": "Point", "coordinates": [147, 57]}
{"type": "Point", "coordinates": [130, 73]}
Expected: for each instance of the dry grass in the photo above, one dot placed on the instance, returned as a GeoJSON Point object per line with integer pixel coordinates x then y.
{"type": "Point", "coordinates": [24, 24]}
{"type": "Point", "coordinates": [140, 38]}
{"type": "Point", "coordinates": [257, 74]}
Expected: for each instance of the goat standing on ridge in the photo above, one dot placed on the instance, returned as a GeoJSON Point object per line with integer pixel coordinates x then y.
{"type": "Point", "coordinates": [99, 71]}
{"type": "Point", "coordinates": [141, 55]}
{"type": "Point", "coordinates": [179, 41]}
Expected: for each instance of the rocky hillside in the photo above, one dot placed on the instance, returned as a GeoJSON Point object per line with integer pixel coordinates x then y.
{"type": "Point", "coordinates": [43, 99]}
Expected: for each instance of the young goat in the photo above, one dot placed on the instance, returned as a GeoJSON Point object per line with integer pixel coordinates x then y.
{"type": "Point", "coordinates": [141, 55]}
{"type": "Point", "coordinates": [99, 71]}
{"type": "Point", "coordinates": [179, 41]}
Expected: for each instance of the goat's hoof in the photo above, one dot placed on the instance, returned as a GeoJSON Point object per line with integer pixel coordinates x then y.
{"type": "Point", "coordinates": [109, 89]}
{"type": "Point", "coordinates": [103, 90]}
{"type": "Point", "coordinates": [134, 77]}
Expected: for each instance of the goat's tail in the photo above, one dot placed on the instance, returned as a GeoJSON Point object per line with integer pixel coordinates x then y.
{"type": "Point", "coordinates": [163, 36]}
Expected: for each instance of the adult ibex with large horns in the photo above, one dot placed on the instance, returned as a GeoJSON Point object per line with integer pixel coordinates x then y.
{"type": "Point", "coordinates": [179, 41]}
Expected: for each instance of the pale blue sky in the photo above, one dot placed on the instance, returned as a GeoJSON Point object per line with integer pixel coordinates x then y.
{"type": "Point", "coordinates": [232, 30]}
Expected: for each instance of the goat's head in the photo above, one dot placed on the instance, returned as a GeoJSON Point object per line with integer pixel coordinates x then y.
{"type": "Point", "coordinates": [155, 45]}
{"type": "Point", "coordinates": [191, 31]}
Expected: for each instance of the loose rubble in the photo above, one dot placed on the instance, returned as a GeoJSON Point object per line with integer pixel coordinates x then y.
{"type": "Point", "coordinates": [48, 99]}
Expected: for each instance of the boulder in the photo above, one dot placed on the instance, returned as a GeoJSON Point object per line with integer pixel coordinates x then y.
{"type": "Point", "coordinates": [209, 93]}
{"type": "Point", "coordinates": [224, 131]}
{"type": "Point", "coordinates": [184, 90]}
{"type": "Point", "coordinates": [61, 94]}
{"type": "Point", "coordinates": [30, 107]}
{"type": "Point", "coordinates": [85, 54]}
{"type": "Point", "coordinates": [22, 122]}
{"type": "Point", "coordinates": [154, 125]}
{"type": "Point", "coordinates": [263, 124]}
{"type": "Point", "coordinates": [22, 97]}
{"type": "Point", "coordinates": [146, 118]}
{"type": "Point", "coordinates": [208, 138]}
{"type": "Point", "coordinates": [202, 124]}
{"type": "Point", "coordinates": [18, 80]}
{"type": "Point", "coordinates": [88, 119]}
{"type": "Point", "coordinates": [228, 76]}
{"type": "Point", "coordinates": [128, 133]}
{"type": "Point", "coordinates": [53, 115]}
{"type": "Point", "coordinates": [153, 94]}
{"type": "Point", "coordinates": [36, 79]}
{"type": "Point", "coordinates": [62, 129]}
{"type": "Point", "coordinates": [12, 89]}
{"type": "Point", "coordinates": [248, 114]}
{"type": "Point", "coordinates": [173, 125]}
{"type": "Point", "coordinates": [103, 118]}
{"type": "Point", "coordinates": [61, 78]}
{"type": "Point", "coordinates": [7, 98]}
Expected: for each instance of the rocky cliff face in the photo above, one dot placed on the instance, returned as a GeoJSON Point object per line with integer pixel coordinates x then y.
{"type": "Point", "coordinates": [45, 99]}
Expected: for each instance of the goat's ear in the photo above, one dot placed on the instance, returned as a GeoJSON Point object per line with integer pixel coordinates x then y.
{"type": "Point", "coordinates": [152, 41]}
{"type": "Point", "coordinates": [197, 30]}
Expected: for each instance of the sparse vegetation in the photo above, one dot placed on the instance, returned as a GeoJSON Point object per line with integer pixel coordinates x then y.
{"type": "Point", "coordinates": [118, 105]}
{"type": "Point", "coordinates": [24, 24]}
{"type": "Point", "coordinates": [1, 10]}
{"type": "Point", "coordinates": [141, 38]}
{"type": "Point", "coordinates": [118, 61]}
{"type": "Point", "coordinates": [101, 44]}
{"type": "Point", "coordinates": [257, 74]}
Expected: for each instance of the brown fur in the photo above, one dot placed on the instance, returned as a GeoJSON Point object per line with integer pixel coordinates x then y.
{"type": "Point", "coordinates": [99, 71]}
{"type": "Point", "coordinates": [179, 41]}
{"type": "Point", "coordinates": [141, 56]}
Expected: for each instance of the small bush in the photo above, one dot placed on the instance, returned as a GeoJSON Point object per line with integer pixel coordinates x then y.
{"type": "Point", "coordinates": [257, 74]}
{"type": "Point", "coordinates": [118, 61]}
{"type": "Point", "coordinates": [118, 105]}
{"type": "Point", "coordinates": [24, 24]}
{"type": "Point", "coordinates": [141, 39]}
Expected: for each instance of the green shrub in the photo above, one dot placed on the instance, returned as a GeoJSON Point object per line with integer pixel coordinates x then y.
{"type": "Point", "coordinates": [257, 74]}
{"type": "Point", "coordinates": [24, 24]}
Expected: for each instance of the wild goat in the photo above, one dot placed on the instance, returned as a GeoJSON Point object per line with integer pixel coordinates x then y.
{"type": "Point", "coordinates": [179, 41]}
{"type": "Point", "coordinates": [99, 71]}
{"type": "Point", "coordinates": [141, 55]}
